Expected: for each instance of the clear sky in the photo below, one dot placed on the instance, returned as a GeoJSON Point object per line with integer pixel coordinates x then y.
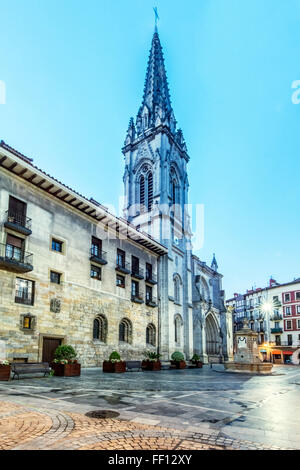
{"type": "Point", "coordinates": [74, 74]}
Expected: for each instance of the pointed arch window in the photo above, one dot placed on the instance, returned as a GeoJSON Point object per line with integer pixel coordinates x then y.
{"type": "Point", "coordinates": [150, 191]}
{"type": "Point", "coordinates": [177, 289]}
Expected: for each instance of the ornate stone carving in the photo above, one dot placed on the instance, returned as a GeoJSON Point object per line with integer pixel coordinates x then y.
{"type": "Point", "coordinates": [55, 305]}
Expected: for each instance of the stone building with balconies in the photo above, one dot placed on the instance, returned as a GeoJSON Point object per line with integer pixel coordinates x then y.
{"type": "Point", "coordinates": [70, 272]}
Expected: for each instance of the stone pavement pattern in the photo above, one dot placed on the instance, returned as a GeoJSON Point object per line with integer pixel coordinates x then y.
{"type": "Point", "coordinates": [191, 409]}
{"type": "Point", "coordinates": [23, 428]}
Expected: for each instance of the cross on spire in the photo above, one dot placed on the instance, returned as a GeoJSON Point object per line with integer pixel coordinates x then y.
{"type": "Point", "coordinates": [156, 17]}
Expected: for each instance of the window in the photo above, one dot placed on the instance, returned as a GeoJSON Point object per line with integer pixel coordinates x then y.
{"type": "Point", "coordinates": [96, 247]}
{"type": "Point", "coordinates": [125, 331]}
{"type": "Point", "coordinates": [120, 281]}
{"type": "Point", "coordinates": [290, 340]}
{"type": "Point", "coordinates": [277, 324]}
{"type": "Point", "coordinates": [150, 191]}
{"type": "Point", "coordinates": [151, 334]}
{"type": "Point", "coordinates": [135, 265]}
{"type": "Point", "coordinates": [57, 245]}
{"type": "Point", "coordinates": [17, 211]}
{"type": "Point", "coordinates": [24, 291]}
{"type": "Point", "coordinates": [275, 298]}
{"type": "Point", "coordinates": [289, 324]}
{"type": "Point", "coordinates": [14, 248]}
{"type": "Point", "coordinates": [297, 295]}
{"type": "Point", "coordinates": [134, 289]}
{"type": "Point", "coordinates": [287, 310]}
{"type": "Point", "coordinates": [100, 328]}
{"type": "Point", "coordinates": [55, 277]}
{"type": "Point", "coordinates": [148, 271]}
{"type": "Point", "coordinates": [148, 294]}
{"type": "Point", "coordinates": [27, 322]}
{"type": "Point", "coordinates": [177, 325]}
{"type": "Point", "coordinates": [142, 193]}
{"type": "Point", "coordinates": [277, 340]}
{"type": "Point", "coordinates": [298, 322]}
{"type": "Point", "coordinates": [121, 258]}
{"type": "Point", "coordinates": [287, 297]}
{"type": "Point", "coordinates": [177, 289]}
{"type": "Point", "coordinates": [96, 272]}
{"type": "Point", "coordinates": [298, 308]}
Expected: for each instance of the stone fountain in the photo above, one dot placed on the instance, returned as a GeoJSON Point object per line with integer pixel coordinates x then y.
{"type": "Point", "coordinates": [246, 358]}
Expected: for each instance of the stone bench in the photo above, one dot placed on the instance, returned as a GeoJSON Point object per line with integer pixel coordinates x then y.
{"type": "Point", "coordinates": [30, 368]}
{"type": "Point", "coordinates": [130, 365]}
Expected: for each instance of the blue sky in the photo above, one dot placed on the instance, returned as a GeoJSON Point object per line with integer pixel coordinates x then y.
{"type": "Point", "coordinates": [74, 74]}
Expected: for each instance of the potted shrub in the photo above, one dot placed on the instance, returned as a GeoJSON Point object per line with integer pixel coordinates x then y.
{"type": "Point", "coordinates": [196, 361]}
{"type": "Point", "coordinates": [4, 370]}
{"type": "Point", "coordinates": [152, 362]}
{"type": "Point", "coordinates": [65, 363]}
{"type": "Point", "coordinates": [177, 360]}
{"type": "Point", "coordinates": [114, 364]}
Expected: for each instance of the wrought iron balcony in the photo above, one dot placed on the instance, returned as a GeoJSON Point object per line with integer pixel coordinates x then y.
{"type": "Point", "coordinates": [151, 278]}
{"type": "Point", "coordinates": [276, 330]}
{"type": "Point", "coordinates": [137, 273]}
{"type": "Point", "coordinates": [151, 301]}
{"type": "Point", "coordinates": [137, 298]}
{"type": "Point", "coordinates": [98, 256]}
{"type": "Point", "coordinates": [17, 222]}
{"type": "Point", "coordinates": [276, 318]}
{"type": "Point", "coordinates": [15, 259]}
{"type": "Point", "coordinates": [122, 267]}
{"type": "Point", "coordinates": [24, 297]}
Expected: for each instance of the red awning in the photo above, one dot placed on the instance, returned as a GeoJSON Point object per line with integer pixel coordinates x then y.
{"type": "Point", "coordinates": [287, 352]}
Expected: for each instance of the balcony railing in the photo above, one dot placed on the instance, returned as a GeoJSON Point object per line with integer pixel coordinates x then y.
{"type": "Point", "coordinates": [98, 256]}
{"type": "Point", "coordinates": [294, 344]}
{"type": "Point", "coordinates": [276, 330]}
{"type": "Point", "coordinates": [24, 297]}
{"type": "Point", "coordinates": [151, 301]}
{"type": "Point", "coordinates": [15, 258]}
{"type": "Point", "coordinates": [151, 278]}
{"type": "Point", "coordinates": [123, 267]}
{"type": "Point", "coordinates": [137, 297]}
{"type": "Point", "coordinates": [276, 318]}
{"type": "Point", "coordinates": [17, 222]}
{"type": "Point", "coordinates": [137, 273]}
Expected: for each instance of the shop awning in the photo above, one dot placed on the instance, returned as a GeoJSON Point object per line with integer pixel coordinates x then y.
{"type": "Point", "coordinates": [276, 352]}
{"type": "Point", "coordinates": [262, 350]}
{"type": "Point", "coordinates": [288, 352]}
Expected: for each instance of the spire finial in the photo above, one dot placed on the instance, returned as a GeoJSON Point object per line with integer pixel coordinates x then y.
{"type": "Point", "coordinates": [156, 18]}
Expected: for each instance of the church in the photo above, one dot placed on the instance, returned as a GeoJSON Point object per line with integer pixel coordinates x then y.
{"type": "Point", "coordinates": [73, 273]}
{"type": "Point", "coordinates": [193, 318]}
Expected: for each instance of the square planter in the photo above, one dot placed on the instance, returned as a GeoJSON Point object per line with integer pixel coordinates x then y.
{"type": "Point", "coordinates": [117, 367]}
{"type": "Point", "coordinates": [197, 364]}
{"type": "Point", "coordinates": [151, 365]}
{"type": "Point", "coordinates": [5, 372]}
{"type": "Point", "coordinates": [66, 370]}
{"type": "Point", "coordinates": [179, 364]}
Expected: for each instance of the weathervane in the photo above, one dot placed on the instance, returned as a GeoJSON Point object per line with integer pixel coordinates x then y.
{"type": "Point", "coordinates": [156, 17]}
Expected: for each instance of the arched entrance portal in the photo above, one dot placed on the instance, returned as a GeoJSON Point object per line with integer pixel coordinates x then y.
{"type": "Point", "coordinates": [212, 338]}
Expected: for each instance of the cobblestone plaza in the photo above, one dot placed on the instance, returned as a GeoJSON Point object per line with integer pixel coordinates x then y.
{"type": "Point", "coordinates": [172, 409]}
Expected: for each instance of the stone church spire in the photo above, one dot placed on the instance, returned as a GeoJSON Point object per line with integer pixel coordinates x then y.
{"type": "Point", "coordinates": [156, 106]}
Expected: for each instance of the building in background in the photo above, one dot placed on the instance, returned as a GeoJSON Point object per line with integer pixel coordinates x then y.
{"type": "Point", "coordinates": [274, 312]}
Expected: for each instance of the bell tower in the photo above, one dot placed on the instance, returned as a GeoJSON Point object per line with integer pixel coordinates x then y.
{"type": "Point", "coordinates": [156, 198]}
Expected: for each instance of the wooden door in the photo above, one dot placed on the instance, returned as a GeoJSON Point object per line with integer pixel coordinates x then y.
{"type": "Point", "coordinates": [49, 346]}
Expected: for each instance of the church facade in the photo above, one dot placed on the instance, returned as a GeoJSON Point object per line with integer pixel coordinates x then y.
{"type": "Point", "coordinates": [193, 318]}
